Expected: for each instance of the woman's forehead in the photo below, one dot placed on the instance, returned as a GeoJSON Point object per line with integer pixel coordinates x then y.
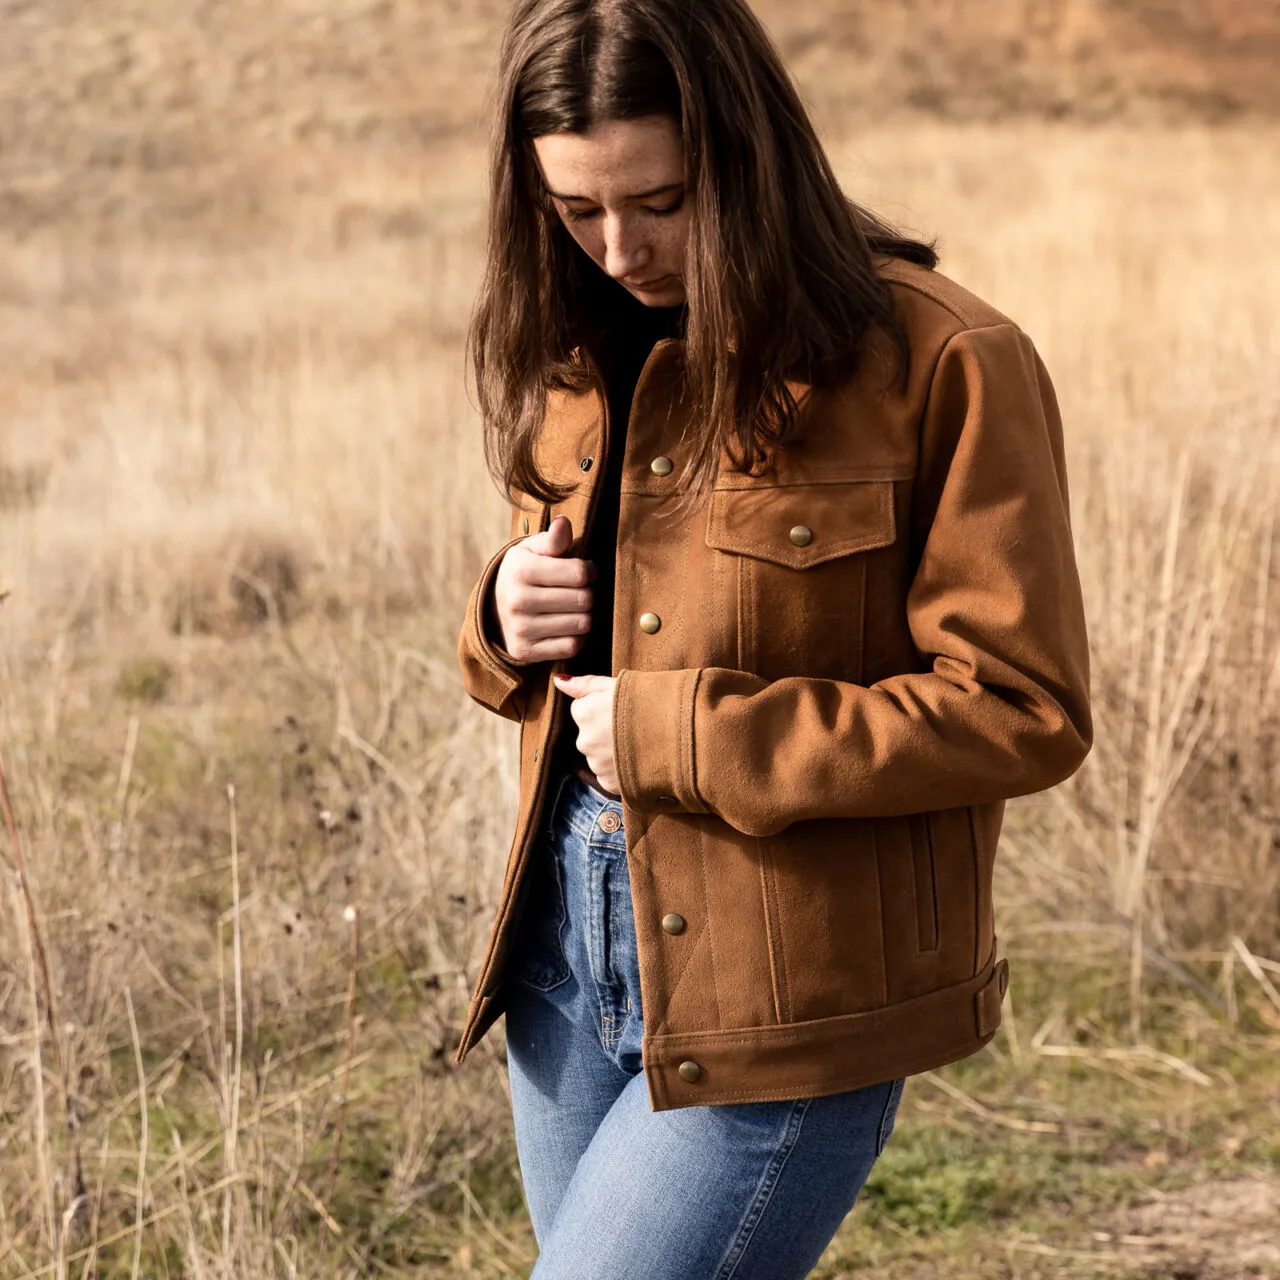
{"type": "Point", "coordinates": [613, 162]}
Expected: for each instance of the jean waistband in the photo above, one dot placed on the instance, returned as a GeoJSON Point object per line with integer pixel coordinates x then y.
{"type": "Point", "coordinates": [591, 813]}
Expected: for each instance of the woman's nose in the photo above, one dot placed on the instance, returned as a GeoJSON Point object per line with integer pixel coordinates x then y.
{"type": "Point", "coordinates": [625, 252]}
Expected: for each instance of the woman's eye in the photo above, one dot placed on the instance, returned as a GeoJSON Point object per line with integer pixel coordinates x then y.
{"type": "Point", "coordinates": [582, 215]}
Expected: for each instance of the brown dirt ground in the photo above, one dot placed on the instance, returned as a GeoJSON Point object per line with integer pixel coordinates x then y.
{"type": "Point", "coordinates": [1220, 1230]}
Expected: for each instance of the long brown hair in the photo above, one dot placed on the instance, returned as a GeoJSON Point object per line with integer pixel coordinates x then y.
{"type": "Point", "coordinates": [773, 237]}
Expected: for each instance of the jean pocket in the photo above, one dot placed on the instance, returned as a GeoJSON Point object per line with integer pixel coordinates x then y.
{"type": "Point", "coordinates": [890, 1113]}
{"type": "Point", "coordinates": [539, 960]}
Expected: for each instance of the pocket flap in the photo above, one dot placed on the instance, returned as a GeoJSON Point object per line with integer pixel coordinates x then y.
{"type": "Point", "coordinates": [801, 525]}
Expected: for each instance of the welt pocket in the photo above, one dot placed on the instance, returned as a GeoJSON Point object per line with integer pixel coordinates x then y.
{"type": "Point", "coordinates": [801, 525]}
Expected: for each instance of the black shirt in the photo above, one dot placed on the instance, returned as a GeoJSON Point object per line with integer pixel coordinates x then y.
{"type": "Point", "coordinates": [625, 344]}
{"type": "Point", "coordinates": [634, 330]}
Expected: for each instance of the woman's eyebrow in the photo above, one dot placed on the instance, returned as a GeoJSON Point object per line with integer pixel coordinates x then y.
{"type": "Point", "coordinates": [639, 195]}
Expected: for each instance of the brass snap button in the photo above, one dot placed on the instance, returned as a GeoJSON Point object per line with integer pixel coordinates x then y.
{"type": "Point", "coordinates": [662, 466]}
{"type": "Point", "coordinates": [802, 535]}
{"type": "Point", "coordinates": [650, 623]}
{"type": "Point", "coordinates": [690, 1072]}
{"type": "Point", "coordinates": [673, 924]}
{"type": "Point", "coordinates": [586, 463]}
{"type": "Point", "coordinates": [610, 821]}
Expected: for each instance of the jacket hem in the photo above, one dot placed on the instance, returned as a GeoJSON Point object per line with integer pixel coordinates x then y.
{"type": "Point", "coordinates": [827, 1055]}
{"type": "Point", "coordinates": [484, 1012]}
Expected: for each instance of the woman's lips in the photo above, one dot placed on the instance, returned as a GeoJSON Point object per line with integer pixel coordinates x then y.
{"type": "Point", "coordinates": [647, 286]}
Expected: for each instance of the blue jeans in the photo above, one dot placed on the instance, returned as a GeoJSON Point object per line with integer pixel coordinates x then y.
{"type": "Point", "coordinates": [616, 1190]}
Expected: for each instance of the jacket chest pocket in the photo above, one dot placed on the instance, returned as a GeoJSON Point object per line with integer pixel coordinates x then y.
{"type": "Point", "coordinates": [795, 571]}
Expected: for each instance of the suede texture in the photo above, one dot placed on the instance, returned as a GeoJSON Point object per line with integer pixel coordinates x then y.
{"type": "Point", "coordinates": [815, 748]}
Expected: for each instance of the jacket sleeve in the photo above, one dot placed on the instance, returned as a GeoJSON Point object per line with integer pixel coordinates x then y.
{"type": "Point", "coordinates": [994, 609]}
{"type": "Point", "coordinates": [490, 675]}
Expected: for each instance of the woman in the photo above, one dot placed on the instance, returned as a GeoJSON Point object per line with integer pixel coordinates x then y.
{"type": "Point", "coordinates": [789, 609]}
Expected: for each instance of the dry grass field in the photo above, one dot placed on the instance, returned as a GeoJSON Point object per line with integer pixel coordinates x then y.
{"type": "Point", "coordinates": [260, 828]}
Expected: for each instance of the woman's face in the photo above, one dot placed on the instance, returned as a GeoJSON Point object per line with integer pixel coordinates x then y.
{"type": "Point", "coordinates": [620, 192]}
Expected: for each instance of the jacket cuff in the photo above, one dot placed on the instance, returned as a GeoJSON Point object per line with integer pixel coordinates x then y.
{"type": "Point", "coordinates": [488, 636]}
{"type": "Point", "coordinates": [491, 675]}
{"type": "Point", "coordinates": [653, 740]}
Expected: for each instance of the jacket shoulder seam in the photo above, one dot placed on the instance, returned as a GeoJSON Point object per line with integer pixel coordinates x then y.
{"type": "Point", "coordinates": [963, 315]}
{"type": "Point", "coordinates": [950, 341]}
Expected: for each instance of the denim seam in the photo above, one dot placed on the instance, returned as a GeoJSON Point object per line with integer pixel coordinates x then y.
{"type": "Point", "coordinates": [584, 833]}
{"type": "Point", "coordinates": [594, 931]}
{"type": "Point", "coordinates": [889, 1115]}
{"type": "Point", "coordinates": [608, 845]}
{"type": "Point", "coordinates": [618, 912]}
{"type": "Point", "coordinates": [764, 1191]}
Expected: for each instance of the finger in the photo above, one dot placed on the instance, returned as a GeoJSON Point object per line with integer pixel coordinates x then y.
{"type": "Point", "coordinates": [555, 540]}
{"type": "Point", "coordinates": [556, 650]}
{"type": "Point", "coordinates": [547, 571]}
{"type": "Point", "coordinates": [550, 626]}
{"type": "Point", "coordinates": [534, 600]}
{"type": "Point", "coordinates": [584, 686]}
{"type": "Point", "coordinates": [568, 685]}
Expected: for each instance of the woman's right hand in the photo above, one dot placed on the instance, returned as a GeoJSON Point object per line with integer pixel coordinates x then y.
{"type": "Point", "coordinates": [542, 600]}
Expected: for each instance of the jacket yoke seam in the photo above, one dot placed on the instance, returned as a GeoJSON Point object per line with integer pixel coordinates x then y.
{"type": "Point", "coordinates": [976, 314]}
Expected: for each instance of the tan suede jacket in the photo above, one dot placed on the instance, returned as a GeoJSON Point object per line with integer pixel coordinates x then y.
{"type": "Point", "coordinates": [858, 658]}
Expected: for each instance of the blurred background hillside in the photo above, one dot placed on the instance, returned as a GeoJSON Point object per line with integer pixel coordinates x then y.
{"type": "Point", "coordinates": [242, 501]}
{"type": "Point", "coordinates": [180, 113]}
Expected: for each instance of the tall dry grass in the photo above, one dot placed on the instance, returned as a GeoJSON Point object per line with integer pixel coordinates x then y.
{"type": "Point", "coordinates": [241, 501]}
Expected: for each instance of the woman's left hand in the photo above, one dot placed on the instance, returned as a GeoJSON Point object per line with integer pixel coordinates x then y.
{"type": "Point", "coordinates": [592, 711]}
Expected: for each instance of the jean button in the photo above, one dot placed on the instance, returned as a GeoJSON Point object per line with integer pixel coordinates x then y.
{"type": "Point", "coordinates": [610, 821]}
